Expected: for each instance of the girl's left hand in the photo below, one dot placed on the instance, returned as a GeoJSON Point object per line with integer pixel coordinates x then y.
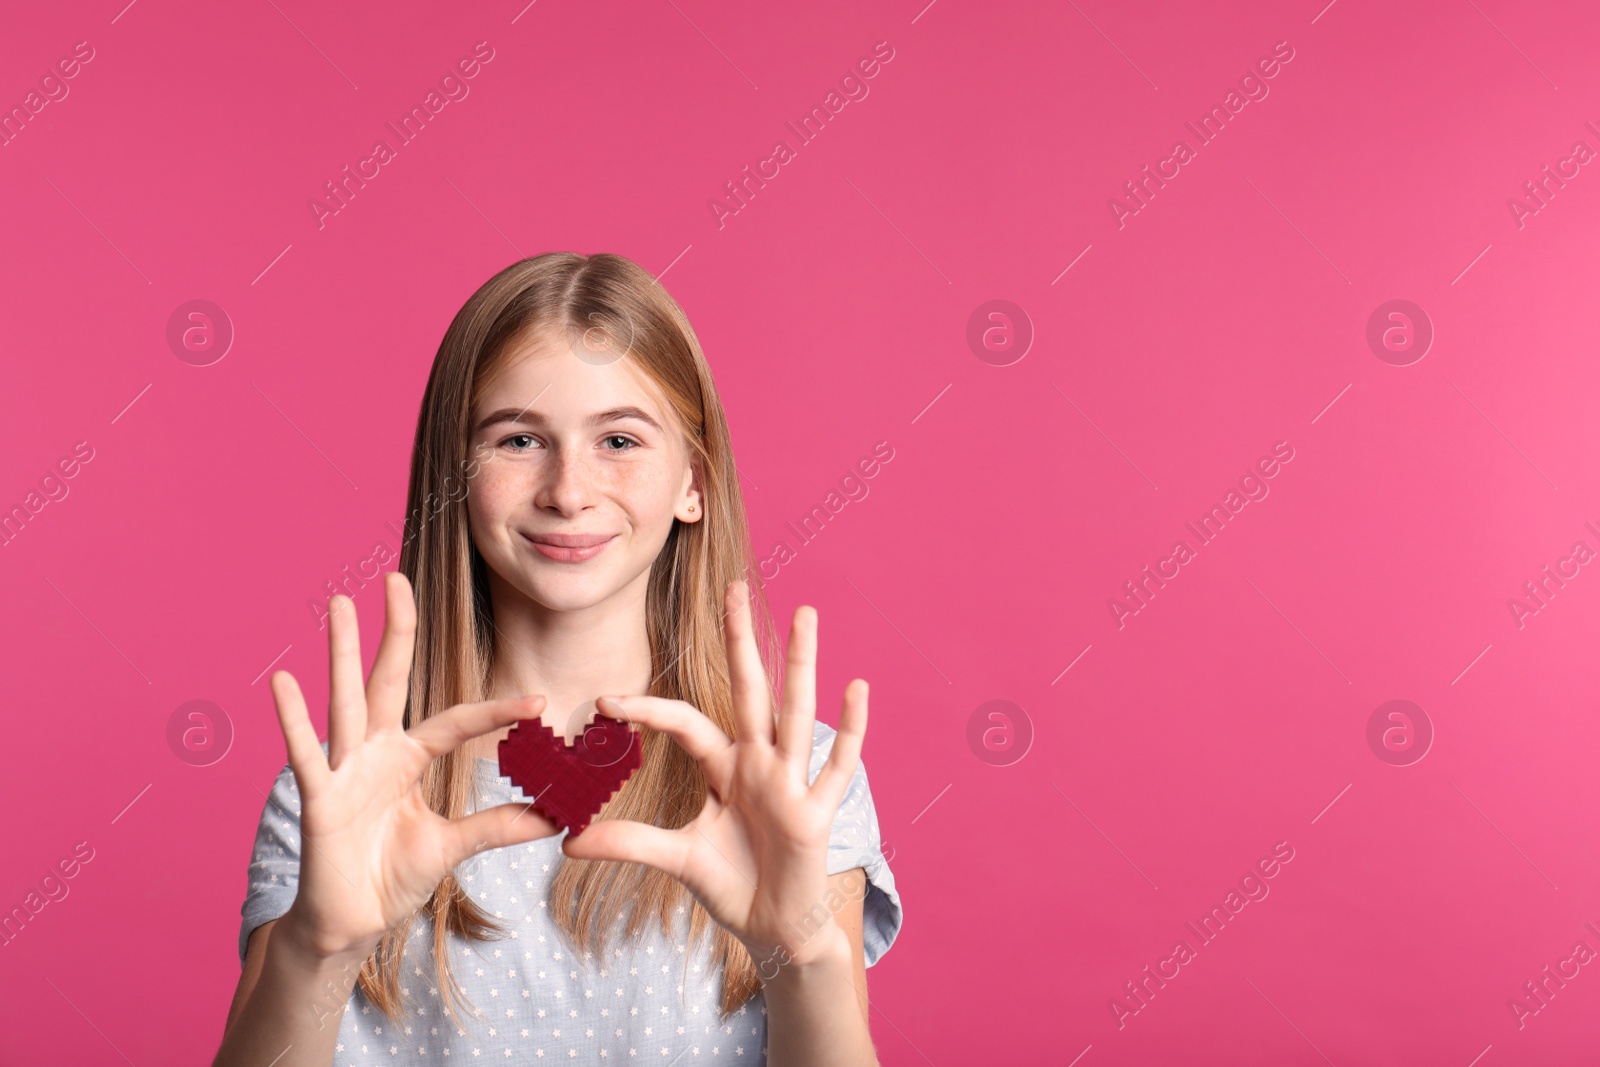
{"type": "Point", "coordinates": [756, 855]}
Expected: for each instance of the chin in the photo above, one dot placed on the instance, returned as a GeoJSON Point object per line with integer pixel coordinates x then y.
{"type": "Point", "coordinates": [561, 587]}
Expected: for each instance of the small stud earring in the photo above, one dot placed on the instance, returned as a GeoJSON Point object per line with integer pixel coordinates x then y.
{"type": "Point", "coordinates": [691, 507]}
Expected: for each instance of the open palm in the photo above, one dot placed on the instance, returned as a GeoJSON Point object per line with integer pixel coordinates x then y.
{"type": "Point", "coordinates": [373, 851]}
{"type": "Point", "coordinates": [756, 855]}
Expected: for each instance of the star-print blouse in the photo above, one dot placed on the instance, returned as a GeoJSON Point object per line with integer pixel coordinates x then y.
{"type": "Point", "coordinates": [533, 1001]}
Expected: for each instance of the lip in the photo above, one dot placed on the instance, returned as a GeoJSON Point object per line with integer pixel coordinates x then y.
{"type": "Point", "coordinates": [570, 548]}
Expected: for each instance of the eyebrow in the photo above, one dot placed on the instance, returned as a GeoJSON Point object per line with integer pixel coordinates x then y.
{"type": "Point", "coordinates": [522, 416]}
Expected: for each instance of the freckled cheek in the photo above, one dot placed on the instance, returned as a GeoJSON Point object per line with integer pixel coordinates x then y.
{"type": "Point", "coordinates": [639, 486]}
{"type": "Point", "coordinates": [496, 491]}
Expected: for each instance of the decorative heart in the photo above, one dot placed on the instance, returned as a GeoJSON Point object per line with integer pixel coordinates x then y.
{"type": "Point", "coordinates": [569, 784]}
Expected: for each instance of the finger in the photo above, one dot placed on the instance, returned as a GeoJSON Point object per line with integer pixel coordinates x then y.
{"type": "Point", "coordinates": [799, 708]}
{"type": "Point", "coordinates": [496, 827]}
{"type": "Point", "coordinates": [627, 841]}
{"type": "Point", "coordinates": [687, 724]}
{"type": "Point", "coordinates": [834, 778]}
{"type": "Point", "coordinates": [299, 736]}
{"type": "Point", "coordinates": [752, 707]}
{"type": "Point", "coordinates": [347, 703]}
{"type": "Point", "coordinates": [444, 733]}
{"type": "Point", "coordinates": [391, 671]}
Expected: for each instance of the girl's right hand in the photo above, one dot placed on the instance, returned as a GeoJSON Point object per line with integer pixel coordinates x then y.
{"type": "Point", "coordinates": [372, 850]}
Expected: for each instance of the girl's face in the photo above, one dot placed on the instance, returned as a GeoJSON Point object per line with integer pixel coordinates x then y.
{"type": "Point", "coordinates": [582, 471]}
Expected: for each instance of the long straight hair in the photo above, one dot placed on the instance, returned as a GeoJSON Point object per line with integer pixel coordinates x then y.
{"type": "Point", "coordinates": [567, 295]}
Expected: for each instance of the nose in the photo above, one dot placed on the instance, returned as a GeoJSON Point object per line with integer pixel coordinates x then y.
{"type": "Point", "coordinates": [564, 482]}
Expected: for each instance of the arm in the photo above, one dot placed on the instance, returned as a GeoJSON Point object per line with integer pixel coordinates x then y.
{"type": "Point", "coordinates": [278, 1017]}
{"type": "Point", "coordinates": [373, 850]}
{"type": "Point", "coordinates": [817, 1009]}
{"type": "Point", "coordinates": [756, 856]}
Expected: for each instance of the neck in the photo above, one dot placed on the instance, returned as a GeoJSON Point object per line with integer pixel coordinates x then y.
{"type": "Point", "coordinates": [568, 657]}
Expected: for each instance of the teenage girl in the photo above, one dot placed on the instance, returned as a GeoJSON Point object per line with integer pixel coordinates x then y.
{"type": "Point", "coordinates": [577, 532]}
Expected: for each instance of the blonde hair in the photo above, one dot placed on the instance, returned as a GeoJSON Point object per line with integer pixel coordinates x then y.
{"type": "Point", "coordinates": [564, 294]}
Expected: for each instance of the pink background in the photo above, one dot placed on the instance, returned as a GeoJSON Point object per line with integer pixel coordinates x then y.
{"type": "Point", "coordinates": [1225, 316]}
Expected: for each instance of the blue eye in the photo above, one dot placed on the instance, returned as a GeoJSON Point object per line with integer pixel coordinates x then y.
{"type": "Point", "coordinates": [518, 437]}
{"type": "Point", "coordinates": [625, 440]}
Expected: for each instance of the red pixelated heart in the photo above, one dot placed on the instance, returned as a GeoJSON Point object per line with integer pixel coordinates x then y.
{"type": "Point", "coordinates": [569, 784]}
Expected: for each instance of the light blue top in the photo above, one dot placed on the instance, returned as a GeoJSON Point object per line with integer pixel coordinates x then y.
{"type": "Point", "coordinates": [534, 1000]}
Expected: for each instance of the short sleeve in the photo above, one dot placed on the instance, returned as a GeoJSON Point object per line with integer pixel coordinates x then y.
{"type": "Point", "coordinates": [274, 875]}
{"type": "Point", "coordinates": [855, 842]}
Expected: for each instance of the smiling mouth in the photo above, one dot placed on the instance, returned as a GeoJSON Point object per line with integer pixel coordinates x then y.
{"type": "Point", "coordinates": [569, 548]}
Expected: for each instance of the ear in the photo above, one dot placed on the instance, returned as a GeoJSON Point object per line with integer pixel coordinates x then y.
{"type": "Point", "coordinates": [691, 503]}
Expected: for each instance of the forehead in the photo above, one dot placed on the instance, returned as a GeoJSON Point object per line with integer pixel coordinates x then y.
{"type": "Point", "coordinates": [543, 372]}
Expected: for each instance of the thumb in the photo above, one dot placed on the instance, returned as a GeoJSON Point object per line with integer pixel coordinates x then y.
{"type": "Point", "coordinates": [496, 827]}
{"type": "Point", "coordinates": [627, 841]}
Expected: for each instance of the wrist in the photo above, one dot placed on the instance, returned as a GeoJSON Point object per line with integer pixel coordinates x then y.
{"type": "Point", "coordinates": [311, 949]}
{"type": "Point", "coordinates": [828, 949]}
{"type": "Point", "coordinates": [312, 986]}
